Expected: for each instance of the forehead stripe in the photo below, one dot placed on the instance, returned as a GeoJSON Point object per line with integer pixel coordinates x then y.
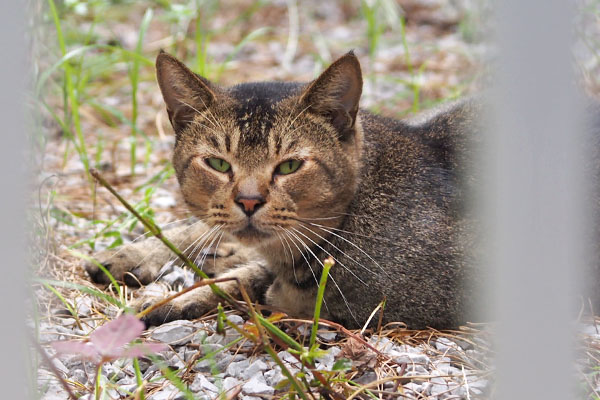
{"type": "Point", "coordinates": [227, 143]}
{"type": "Point", "coordinates": [213, 140]}
{"type": "Point", "coordinates": [278, 141]}
{"type": "Point", "coordinates": [186, 165]}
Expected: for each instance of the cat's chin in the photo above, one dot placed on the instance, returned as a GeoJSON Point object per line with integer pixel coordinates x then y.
{"type": "Point", "coordinates": [250, 235]}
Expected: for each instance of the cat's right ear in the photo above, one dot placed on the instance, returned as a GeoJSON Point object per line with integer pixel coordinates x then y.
{"type": "Point", "coordinates": [184, 92]}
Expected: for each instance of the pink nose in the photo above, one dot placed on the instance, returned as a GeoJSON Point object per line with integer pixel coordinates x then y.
{"type": "Point", "coordinates": [249, 204]}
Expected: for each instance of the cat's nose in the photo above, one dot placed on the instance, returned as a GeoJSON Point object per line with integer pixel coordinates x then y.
{"type": "Point", "coordinates": [249, 205]}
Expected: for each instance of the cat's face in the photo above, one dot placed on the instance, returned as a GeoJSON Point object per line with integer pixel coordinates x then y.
{"type": "Point", "coordinates": [266, 159]}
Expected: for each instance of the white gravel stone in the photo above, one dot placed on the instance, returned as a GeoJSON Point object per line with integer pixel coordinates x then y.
{"type": "Point", "coordinates": [256, 367]}
{"type": "Point", "coordinates": [285, 356]}
{"type": "Point", "coordinates": [55, 392]}
{"type": "Point", "coordinates": [229, 383]}
{"type": "Point", "coordinates": [236, 319]}
{"type": "Point", "coordinates": [327, 336]}
{"type": "Point", "coordinates": [418, 372]}
{"type": "Point", "coordinates": [125, 389]}
{"type": "Point", "coordinates": [60, 366]}
{"type": "Point", "coordinates": [367, 377]}
{"type": "Point", "coordinates": [229, 337]}
{"type": "Point", "coordinates": [176, 332]}
{"type": "Point", "coordinates": [257, 385]}
{"type": "Point", "coordinates": [224, 361]}
{"type": "Point", "coordinates": [176, 362]}
{"type": "Point", "coordinates": [444, 344]}
{"type": "Point", "coordinates": [381, 343]}
{"type": "Point", "coordinates": [410, 358]}
{"type": "Point", "coordinates": [165, 200]}
{"type": "Point", "coordinates": [67, 322]}
{"type": "Point", "coordinates": [413, 387]}
{"type": "Point", "coordinates": [211, 347]}
{"type": "Point", "coordinates": [201, 383]}
{"type": "Point", "coordinates": [328, 359]}
{"type": "Point", "coordinates": [79, 375]}
{"type": "Point", "coordinates": [203, 366]}
{"type": "Point", "coordinates": [128, 380]}
{"type": "Point", "coordinates": [174, 278]}
{"type": "Point", "coordinates": [169, 392]}
{"type": "Point", "coordinates": [83, 305]}
{"type": "Point", "coordinates": [152, 369]}
{"type": "Point", "coordinates": [274, 376]}
{"type": "Point", "coordinates": [112, 372]}
{"type": "Point", "coordinates": [237, 369]}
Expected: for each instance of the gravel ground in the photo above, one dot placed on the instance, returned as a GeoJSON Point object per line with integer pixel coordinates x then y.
{"type": "Point", "coordinates": [441, 366]}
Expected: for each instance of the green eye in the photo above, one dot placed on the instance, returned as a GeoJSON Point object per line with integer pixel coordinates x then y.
{"type": "Point", "coordinates": [287, 167]}
{"type": "Point", "coordinates": [219, 164]}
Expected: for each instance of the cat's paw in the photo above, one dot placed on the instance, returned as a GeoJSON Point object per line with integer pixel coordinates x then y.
{"type": "Point", "coordinates": [134, 264]}
{"type": "Point", "coordinates": [189, 306]}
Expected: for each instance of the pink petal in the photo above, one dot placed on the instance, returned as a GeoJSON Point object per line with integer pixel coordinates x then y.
{"type": "Point", "coordinates": [83, 349]}
{"type": "Point", "coordinates": [111, 337]}
{"type": "Point", "coordinates": [143, 349]}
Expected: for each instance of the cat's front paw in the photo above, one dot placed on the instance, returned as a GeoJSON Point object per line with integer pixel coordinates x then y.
{"type": "Point", "coordinates": [189, 306]}
{"type": "Point", "coordinates": [134, 264]}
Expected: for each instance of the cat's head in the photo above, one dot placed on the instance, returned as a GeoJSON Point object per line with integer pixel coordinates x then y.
{"type": "Point", "coordinates": [261, 159]}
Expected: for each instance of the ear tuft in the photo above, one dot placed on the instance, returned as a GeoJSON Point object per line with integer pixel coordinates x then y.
{"type": "Point", "coordinates": [335, 94]}
{"type": "Point", "coordinates": [184, 92]}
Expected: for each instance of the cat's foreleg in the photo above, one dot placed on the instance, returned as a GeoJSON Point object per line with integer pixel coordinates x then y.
{"type": "Point", "coordinates": [254, 276]}
{"type": "Point", "coordinates": [139, 263]}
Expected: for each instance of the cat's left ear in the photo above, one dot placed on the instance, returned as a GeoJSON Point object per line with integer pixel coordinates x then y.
{"type": "Point", "coordinates": [335, 94]}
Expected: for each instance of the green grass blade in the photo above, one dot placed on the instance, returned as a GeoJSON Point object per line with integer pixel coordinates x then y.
{"type": "Point", "coordinates": [71, 92]}
{"type": "Point", "coordinates": [319, 302]}
{"type": "Point", "coordinates": [63, 300]}
{"type": "Point", "coordinates": [134, 77]}
{"type": "Point", "coordinates": [139, 379]}
{"type": "Point", "coordinates": [91, 291]}
{"type": "Point", "coordinates": [102, 268]}
{"type": "Point", "coordinates": [255, 34]}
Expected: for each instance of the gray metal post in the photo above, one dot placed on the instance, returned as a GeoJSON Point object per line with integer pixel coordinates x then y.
{"type": "Point", "coordinates": [533, 199]}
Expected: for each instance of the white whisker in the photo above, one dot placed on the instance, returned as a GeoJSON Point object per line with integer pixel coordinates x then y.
{"type": "Point", "coordinates": [353, 245]}
{"type": "Point", "coordinates": [289, 235]}
{"type": "Point", "coordinates": [291, 253]}
{"type": "Point", "coordinates": [330, 277]}
{"type": "Point", "coordinates": [198, 111]}
{"type": "Point", "coordinates": [338, 249]}
{"type": "Point", "coordinates": [143, 235]}
{"type": "Point", "coordinates": [297, 116]}
{"type": "Point", "coordinates": [318, 218]}
{"type": "Point", "coordinates": [194, 242]}
{"type": "Point", "coordinates": [203, 254]}
{"type": "Point", "coordinates": [217, 248]}
{"type": "Point", "coordinates": [335, 259]}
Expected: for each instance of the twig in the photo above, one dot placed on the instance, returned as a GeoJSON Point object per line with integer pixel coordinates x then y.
{"type": "Point", "coordinates": [54, 370]}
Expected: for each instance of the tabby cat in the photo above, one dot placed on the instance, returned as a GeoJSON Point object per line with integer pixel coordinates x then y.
{"type": "Point", "coordinates": [283, 175]}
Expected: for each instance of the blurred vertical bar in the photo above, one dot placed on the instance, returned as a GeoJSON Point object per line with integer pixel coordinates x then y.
{"type": "Point", "coordinates": [13, 169]}
{"type": "Point", "coordinates": [533, 199]}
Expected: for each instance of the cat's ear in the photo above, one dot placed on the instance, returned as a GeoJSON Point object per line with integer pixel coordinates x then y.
{"type": "Point", "coordinates": [335, 94]}
{"type": "Point", "coordinates": [184, 92]}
